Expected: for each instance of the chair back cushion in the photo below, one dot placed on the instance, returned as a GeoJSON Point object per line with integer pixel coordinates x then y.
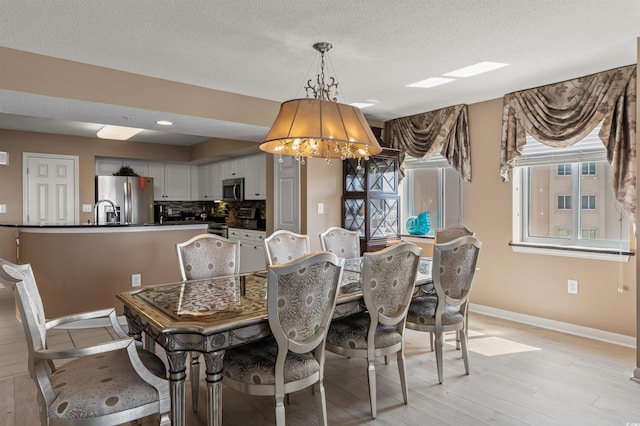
{"type": "Point", "coordinates": [388, 279]}
{"type": "Point", "coordinates": [208, 256]}
{"type": "Point", "coordinates": [341, 242]}
{"type": "Point", "coordinates": [451, 233]}
{"type": "Point", "coordinates": [454, 265]}
{"type": "Point", "coordinates": [285, 246]}
{"type": "Point", "coordinates": [301, 299]}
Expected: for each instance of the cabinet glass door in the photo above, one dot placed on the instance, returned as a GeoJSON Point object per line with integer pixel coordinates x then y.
{"type": "Point", "coordinates": [354, 217]}
{"type": "Point", "coordinates": [354, 177]}
{"type": "Point", "coordinates": [384, 218]}
{"type": "Point", "coordinates": [383, 175]}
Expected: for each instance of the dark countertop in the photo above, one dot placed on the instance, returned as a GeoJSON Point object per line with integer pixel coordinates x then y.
{"type": "Point", "coordinates": [109, 226]}
{"type": "Point", "coordinates": [87, 225]}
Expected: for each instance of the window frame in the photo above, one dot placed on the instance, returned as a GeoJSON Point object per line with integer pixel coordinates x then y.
{"type": "Point", "coordinates": [564, 169]}
{"type": "Point", "coordinates": [589, 197]}
{"type": "Point", "coordinates": [592, 151]}
{"type": "Point", "coordinates": [441, 166]}
{"type": "Point", "coordinates": [588, 164]}
{"type": "Point", "coordinates": [564, 198]}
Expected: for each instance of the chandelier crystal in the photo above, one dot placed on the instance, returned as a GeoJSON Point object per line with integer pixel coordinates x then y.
{"type": "Point", "coordinates": [320, 127]}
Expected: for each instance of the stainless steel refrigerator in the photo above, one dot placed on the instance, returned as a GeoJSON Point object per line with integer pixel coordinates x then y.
{"type": "Point", "coordinates": [132, 199]}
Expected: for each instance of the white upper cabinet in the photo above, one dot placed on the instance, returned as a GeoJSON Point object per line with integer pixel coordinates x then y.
{"type": "Point", "coordinates": [235, 168]}
{"type": "Point", "coordinates": [185, 182]}
{"type": "Point", "coordinates": [255, 181]}
{"type": "Point", "coordinates": [108, 166]}
{"type": "Point", "coordinates": [210, 181]}
{"type": "Point", "coordinates": [171, 181]}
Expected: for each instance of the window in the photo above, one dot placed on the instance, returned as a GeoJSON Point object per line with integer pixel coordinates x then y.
{"type": "Point", "coordinates": [564, 169]}
{"type": "Point", "coordinates": [432, 186]}
{"type": "Point", "coordinates": [589, 169]}
{"type": "Point", "coordinates": [588, 202]}
{"type": "Point", "coordinates": [588, 233]}
{"type": "Point", "coordinates": [547, 179]}
{"type": "Point", "coordinates": [564, 202]}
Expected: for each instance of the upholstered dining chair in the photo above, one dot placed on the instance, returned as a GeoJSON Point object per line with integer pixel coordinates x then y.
{"type": "Point", "coordinates": [388, 280]}
{"type": "Point", "coordinates": [301, 298]}
{"type": "Point", "coordinates": [285, 246]}
{"type": "Point", "coordinates": [444, 236]}
{"type": "Point", "coordinates": [341, 242]}
{"type": "Point", "coordinates": [453, 268]}
{"type": "Point", "coordinates": [451, 233]}
{"type": "Point", "coordinates": [106, 384]}
{"type": "Point", "coordinates": [206, 256]}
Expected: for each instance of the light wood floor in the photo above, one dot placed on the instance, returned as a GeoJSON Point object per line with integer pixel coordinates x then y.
{"type": "Point", "coordinates": [520, 375]}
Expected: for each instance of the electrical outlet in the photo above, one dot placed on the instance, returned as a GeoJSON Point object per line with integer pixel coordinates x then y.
{"type": "Point", "coordinates": [86, 208]}
{"type": "Point", "coordinates": [572, 286]}
{"type": "Point", "coordinates": [136, 280]}
{"type": "Point", "coordinates": [3, 208]}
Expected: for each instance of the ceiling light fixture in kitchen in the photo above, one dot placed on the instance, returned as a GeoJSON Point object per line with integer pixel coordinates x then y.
{"type": "Point", "coordinates": [164, 123]}
{"type": "Point", "coordinates": [320, 126]}
{"type": "Point", "coordinates": [119, 133]}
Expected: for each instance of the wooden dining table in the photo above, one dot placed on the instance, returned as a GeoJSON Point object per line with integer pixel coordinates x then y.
{"type": "Point", "coordinates": [212, 315]}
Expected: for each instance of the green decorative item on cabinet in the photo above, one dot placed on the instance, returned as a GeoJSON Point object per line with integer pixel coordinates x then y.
{"type": "Point", "coordinates": [125, 171]}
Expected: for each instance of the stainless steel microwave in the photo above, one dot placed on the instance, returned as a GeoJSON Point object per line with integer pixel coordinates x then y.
{"type": "Point", "coordinates": [233, 189]}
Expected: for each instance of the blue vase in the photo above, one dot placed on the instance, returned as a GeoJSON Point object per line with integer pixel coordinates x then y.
{"type": "Point", "coordinates": [419, 225]}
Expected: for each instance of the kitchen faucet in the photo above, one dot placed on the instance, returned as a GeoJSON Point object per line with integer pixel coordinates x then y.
{"type": "Point", "coordinates": [95, 208]}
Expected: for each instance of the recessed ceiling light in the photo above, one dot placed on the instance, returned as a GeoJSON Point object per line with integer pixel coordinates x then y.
{"type": "Point", "coordinates": [361, 105]}
{"type": "Point", "coordinates": [164, 123]}
{"type": "Point", "coordinates": [476, 69]}
{"type": "Point", "coordinates": [431, 82]}
{"type": "Point", "coordinates": [119, 133]}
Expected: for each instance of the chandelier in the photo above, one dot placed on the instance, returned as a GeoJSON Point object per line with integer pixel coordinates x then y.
{"type": "Point", "coordinates": [321, 127]}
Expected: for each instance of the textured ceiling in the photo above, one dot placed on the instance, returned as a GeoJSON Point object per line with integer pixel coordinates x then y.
{"type": "Point", "coordinates": [263, 49]}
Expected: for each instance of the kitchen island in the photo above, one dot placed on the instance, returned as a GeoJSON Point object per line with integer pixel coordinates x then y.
{"type": "Point", "coordinates": [83, 267]}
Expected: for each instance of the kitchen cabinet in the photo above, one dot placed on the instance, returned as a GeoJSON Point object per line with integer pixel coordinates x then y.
{"type": "Point", "coordinates": [235, 168]}
{"type": "Point", "coordinates": [253, 256]}
{"type": "Point", "coordinates": [255, 181]}
{"type": "Point", "coordinates": [210, 181]}
{"type": "Point", "coordinates": [106, 166]}
{"type": "Point", "coordinates": [171, 181]}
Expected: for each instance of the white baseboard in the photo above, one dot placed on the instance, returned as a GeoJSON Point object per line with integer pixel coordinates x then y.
{"type": "Point", "coordinates": [564, 327]}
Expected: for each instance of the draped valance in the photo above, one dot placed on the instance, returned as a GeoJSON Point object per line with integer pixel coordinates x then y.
{"type": "Point", "coordinates": [444, 131]}
{"type": "Point", "coordinates": [561, 114]}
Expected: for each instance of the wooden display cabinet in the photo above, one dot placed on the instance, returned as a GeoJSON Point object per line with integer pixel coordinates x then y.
{"type": "Point", "coordinates": [370, 200]}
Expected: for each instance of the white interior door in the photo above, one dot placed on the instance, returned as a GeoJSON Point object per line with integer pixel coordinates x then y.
{"type": "Point", "coordinates": [287, 193]}
{"type": "Point", "coordinates": [50, 189]}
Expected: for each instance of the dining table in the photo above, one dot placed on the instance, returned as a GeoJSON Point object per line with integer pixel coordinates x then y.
{"type": "Point", "coordinates": [214, 314]}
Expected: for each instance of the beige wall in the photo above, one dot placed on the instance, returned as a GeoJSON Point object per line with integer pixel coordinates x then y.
{"type": "Point", "coordinates": [527, 283]}
{"type": "Point", "coordinates": [324, 185]}
{"type": "Point", "coordinates": [44, 75]}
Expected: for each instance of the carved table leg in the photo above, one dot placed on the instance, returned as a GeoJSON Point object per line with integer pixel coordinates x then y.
{"type": "Point", "coordinates": [214, 387]}
{"type": "Point", "coordinates": [177, 369]}
{"type": "Point", "coordinates": [135, 329]}
{"type": "Point", "coordinates": [149, 343]}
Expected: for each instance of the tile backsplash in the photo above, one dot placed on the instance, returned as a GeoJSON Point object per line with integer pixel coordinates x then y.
{"type": "Point", "coordinates": [221, 208]}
